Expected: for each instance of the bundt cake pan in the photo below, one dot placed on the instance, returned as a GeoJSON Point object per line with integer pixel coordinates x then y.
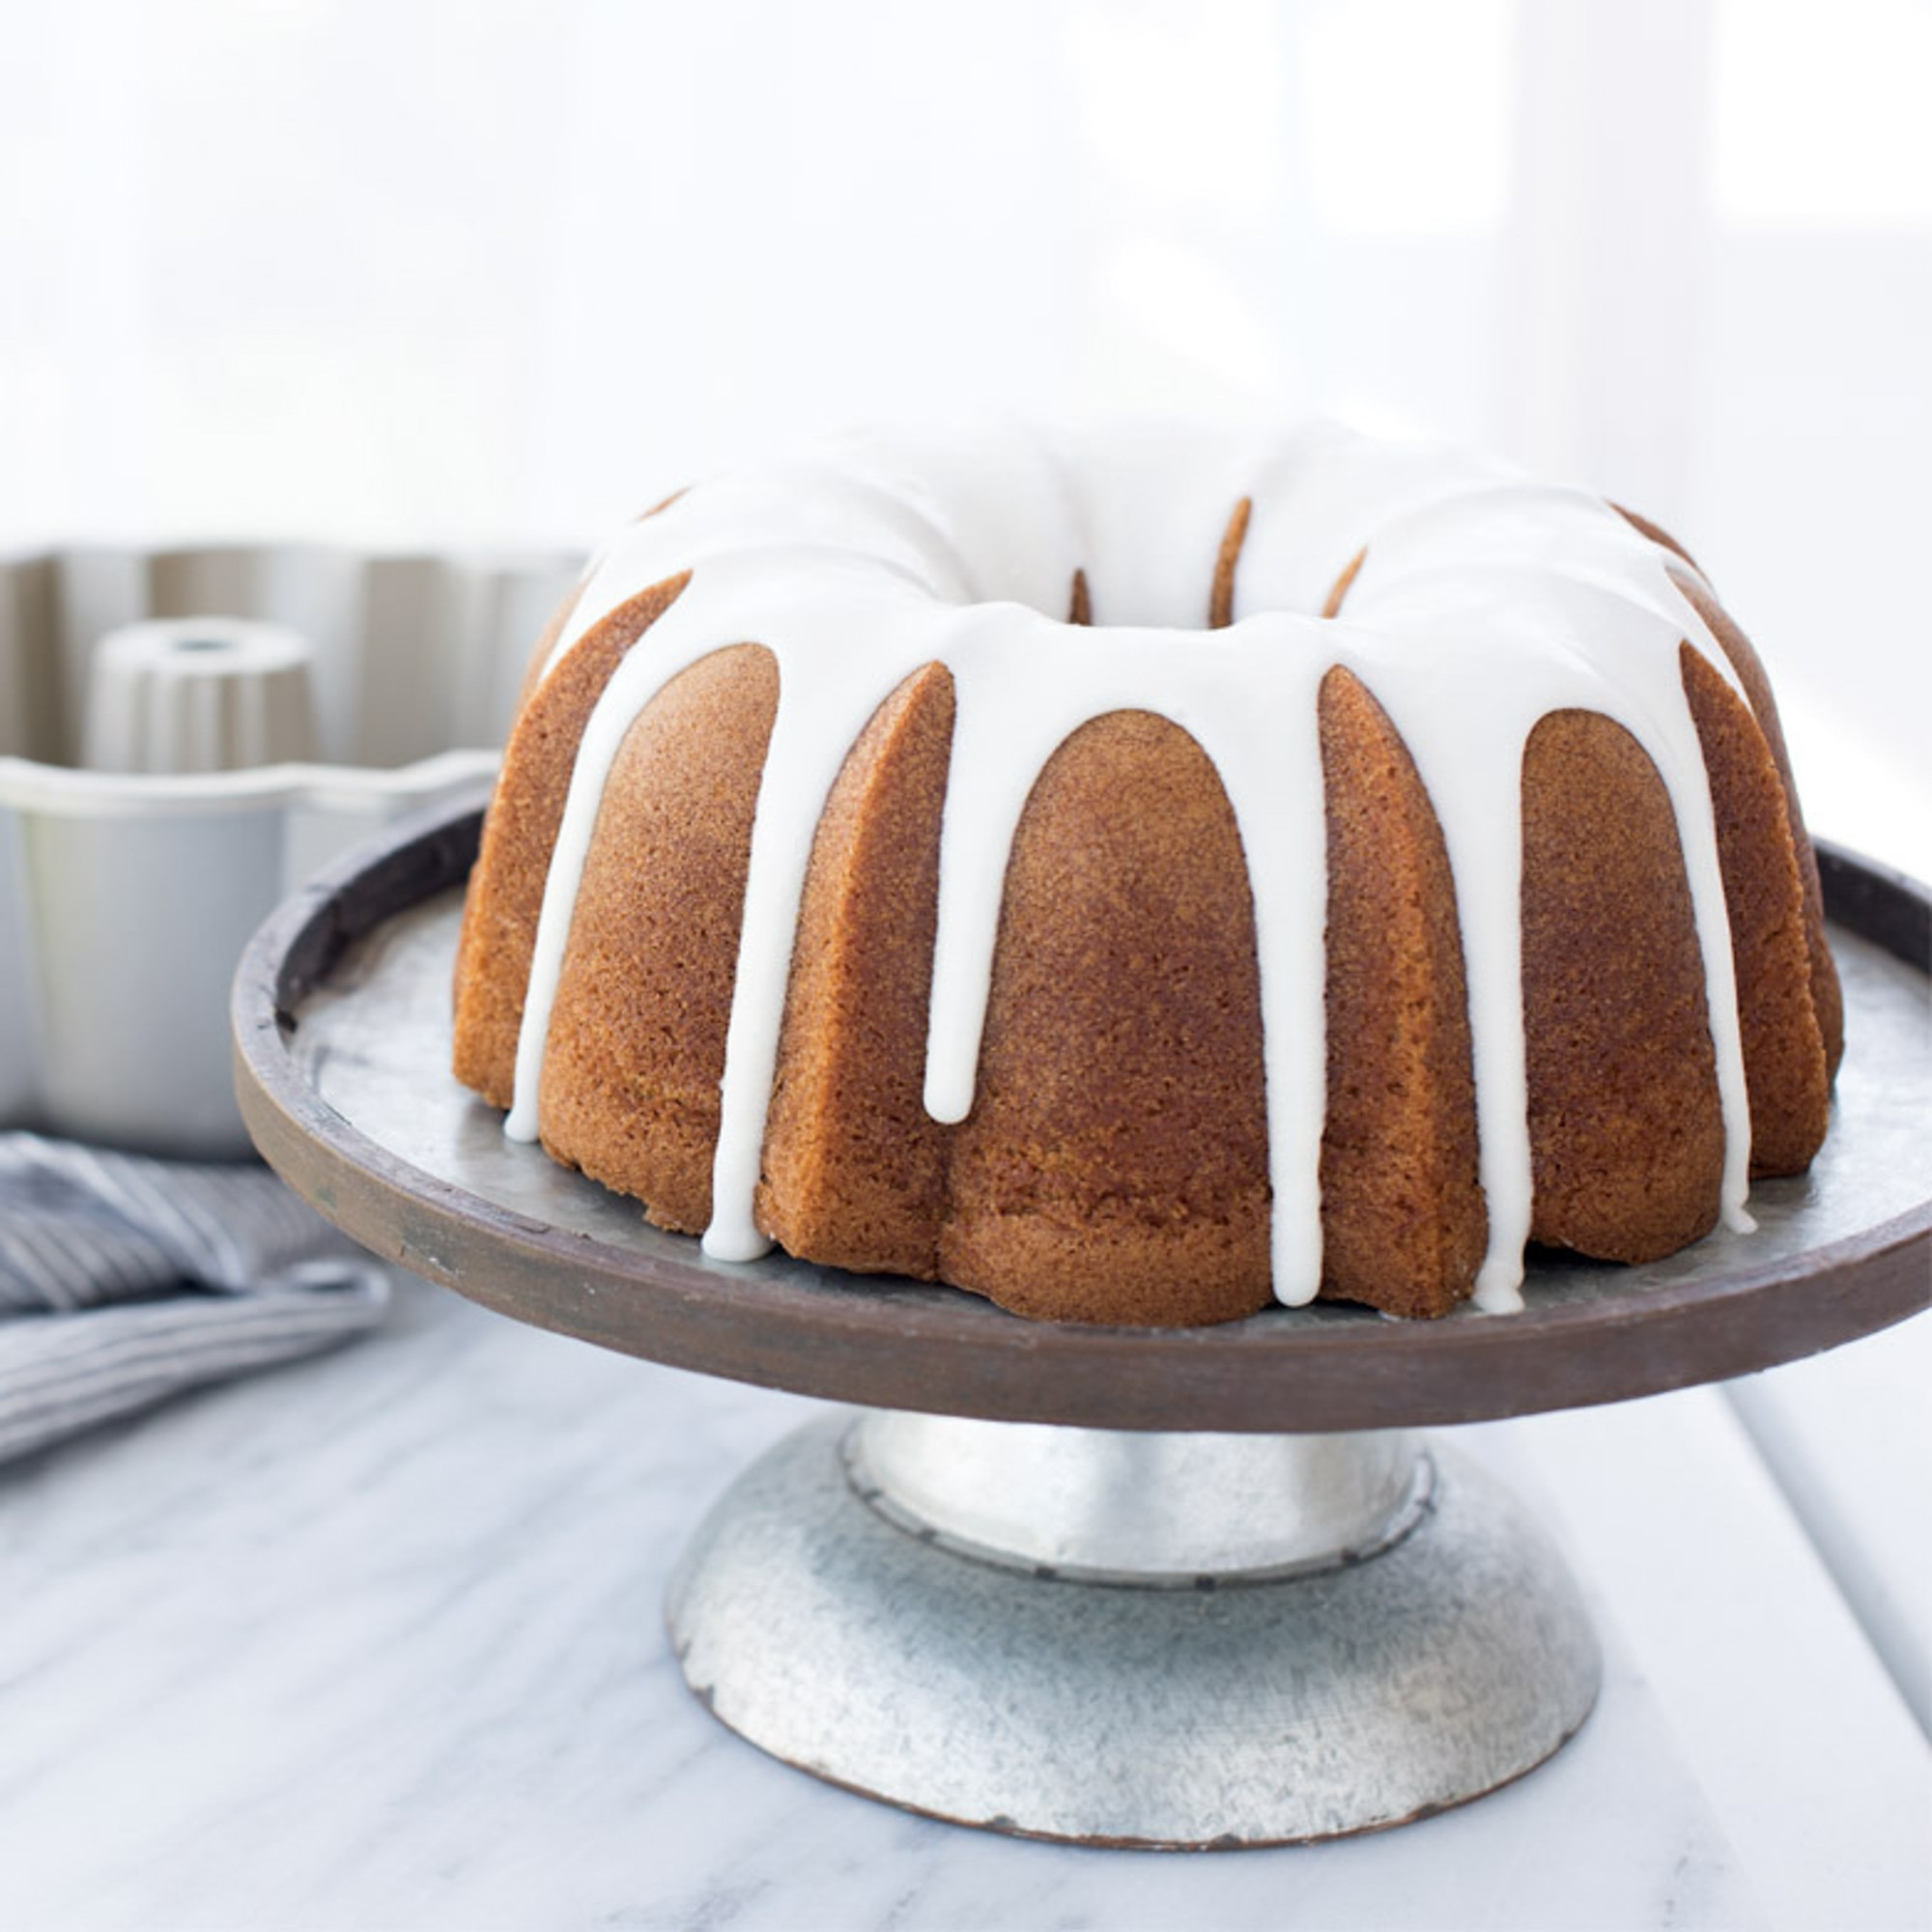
{"type": "Point", "coordinates": [126, 897]}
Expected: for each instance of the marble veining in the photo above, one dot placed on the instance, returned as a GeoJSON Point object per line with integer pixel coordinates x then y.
{"type": "Point", "coordinates": [376, 1641]}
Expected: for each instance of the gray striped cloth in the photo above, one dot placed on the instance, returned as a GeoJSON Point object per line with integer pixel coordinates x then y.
{"type": "Point", "coordinates": [124, 1280]}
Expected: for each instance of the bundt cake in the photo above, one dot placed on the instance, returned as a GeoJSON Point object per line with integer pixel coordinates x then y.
{"type": "Point", "coordinates": [1140, 875]}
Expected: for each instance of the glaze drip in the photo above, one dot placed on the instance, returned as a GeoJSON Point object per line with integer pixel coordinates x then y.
{"type": "Point", "coordinates": [1476, 603]}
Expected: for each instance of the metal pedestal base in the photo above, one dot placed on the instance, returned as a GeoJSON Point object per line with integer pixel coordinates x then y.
{"type": "Point", "coordinates": [1180, 1641]}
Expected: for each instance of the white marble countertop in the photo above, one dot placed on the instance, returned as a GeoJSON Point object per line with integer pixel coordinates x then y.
{"type": "Point", "coordinates": [376, 1641]}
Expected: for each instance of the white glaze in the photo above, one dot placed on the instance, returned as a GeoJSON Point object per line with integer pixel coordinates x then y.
{"type": "Point", "coordinates": [1485, 603]}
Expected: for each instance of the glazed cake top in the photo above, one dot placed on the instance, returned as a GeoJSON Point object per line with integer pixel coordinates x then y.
{"type": "Point", "coordinates": [1483, 602]}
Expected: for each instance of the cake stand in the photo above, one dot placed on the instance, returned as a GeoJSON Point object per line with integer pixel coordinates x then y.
{"type": "Point", "coordinates": [1184, 1588]}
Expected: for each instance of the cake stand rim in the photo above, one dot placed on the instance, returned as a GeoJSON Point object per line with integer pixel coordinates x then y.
{"type": "Point", "coordinates": [963, 1356]}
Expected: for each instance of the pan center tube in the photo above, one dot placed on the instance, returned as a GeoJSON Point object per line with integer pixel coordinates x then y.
{"type": "Point", "coordinates": [1142, 1508]}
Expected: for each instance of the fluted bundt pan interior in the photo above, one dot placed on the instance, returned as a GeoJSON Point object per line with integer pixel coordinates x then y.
{"type": "Point", "coordinates": [159, 796]}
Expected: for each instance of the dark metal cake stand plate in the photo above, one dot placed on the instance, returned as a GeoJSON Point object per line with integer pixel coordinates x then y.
{"type": "Point", "coordinates": [1129, 1586]}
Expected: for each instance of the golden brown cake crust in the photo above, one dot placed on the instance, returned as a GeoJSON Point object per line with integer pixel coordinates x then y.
{"type": "Point", "coordinates": [499, 914]}
{"type": "Point", "coordinates": [854, 1167]}
{"type": "Point", "coordinates": [1785, 1063]}
{"type": "Point", "coordinates": [1402, 1222]}
{"type": "Point", "coordinates": [637, 1036]}
{"type": "Point", "coordinates": [1826, 999]}
{"type": "Point", "coordinates": [1627, 1140]}
{"type": "Point", "coordinates": [1221, 594]}
{"type": "Point", "coordinates": [1080, 606]}
{"type": "Point", "coordinates": [1114, 1166]}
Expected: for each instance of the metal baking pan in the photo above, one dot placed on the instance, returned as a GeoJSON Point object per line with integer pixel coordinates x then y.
{"type": "Point", "coordinates": [126, 900]}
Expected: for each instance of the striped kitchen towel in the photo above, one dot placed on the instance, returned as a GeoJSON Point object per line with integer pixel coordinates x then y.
{"type": "Point", "coordinates": [124, 1280]}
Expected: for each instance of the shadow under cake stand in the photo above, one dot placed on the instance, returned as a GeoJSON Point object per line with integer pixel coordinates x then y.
{"type": "Point", "coordinates": [1176, 1588]}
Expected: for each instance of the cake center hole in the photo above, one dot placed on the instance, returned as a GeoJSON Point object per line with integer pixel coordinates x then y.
{"type": "Point", "coordinates": [1220, 611]}
{"type": "Point", "coordinates": [201, 644]}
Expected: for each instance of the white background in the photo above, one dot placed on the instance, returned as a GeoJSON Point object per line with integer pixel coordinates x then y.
{"type": "Point", "coordinates": [498, 272]}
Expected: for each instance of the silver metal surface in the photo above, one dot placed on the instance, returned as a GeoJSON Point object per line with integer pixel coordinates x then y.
{"type": "Point", "coordinates": [126, 900]}
{"type": "Point", "coordinates": [374, 1043]}
{"type": "Point", "coordinates": [1237, 1712]}
{"type": "Point", "coordinates": [177, 695]}
{"type": "Point", "coordinates": [1147, 1508]}
{"type": "Point", "coordinates": [1111, 1638]}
